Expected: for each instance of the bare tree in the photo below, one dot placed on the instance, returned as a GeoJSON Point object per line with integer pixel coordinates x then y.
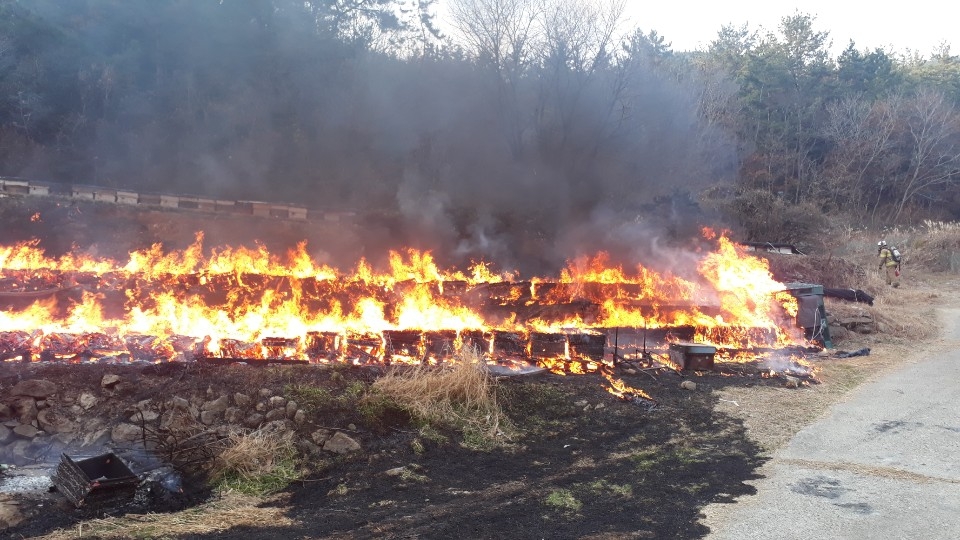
{"type": "Point", "coordinates": [862, 134]}
{"type": "Point", "coordinates": [932, 141]}
{"type": "Point", "coordinates": [576, 50]}
{"type": "Point", "coordinates": [499, 32]}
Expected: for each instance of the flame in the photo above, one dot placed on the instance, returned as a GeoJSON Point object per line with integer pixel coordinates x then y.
{"type": "Point", "coordinates": [251, 303]}
{"type": "Point", "coordinates": [621, 389]}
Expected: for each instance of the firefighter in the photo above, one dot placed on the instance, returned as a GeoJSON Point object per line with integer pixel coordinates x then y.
{"type": "Point", "coordinates": [887, 263]}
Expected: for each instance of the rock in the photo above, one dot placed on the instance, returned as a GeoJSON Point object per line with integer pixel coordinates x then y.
{"type": "Point", "coordinates": [276, 414]}
{"type": "Point", "coordinates": [233, 415]}
{"type": "Point", "coordinates": [26, 431]}
{"type": "Point", "coordinates": [242, 400]}
{"type": "Point", "coordinates": [109, 380]}
{"type": "Point", "coordinates": [42, 404]}
{"type": "Point", "coordinates": [341, 443]}
{"type": "Point", "coordinates": [209, 417]}
{"type": "Point", "coordinates": [125, 433]}
{"type": "Point", "coordinates": [261, 407]}
{"type": "Point", "coordinates": [320, 436]}
{"type": "Point", "coordinates": [862, 323]}
{"type": "Point", "coordinates": [87, 400]}
{"type": "Point", "coordinates": [300, 417]}
{"type": "Point", "coordinates": [65, 439]}
{"type": "Point", "coordinates": [5, 411]}
{"type": "Point", "coordinates": [282, 427]}
{"type": "Point", "coordinates": [26, 410]}
{"type": "Point", "coordinates": [95, 437]}
{"type": "Point", "coordinates": [53, 422]}
{"type": "Point", "coordinates": [396, 471]}
{"type": "Point", "coordinates": [266, 392]}
{"type": "Point", "coordinates": [791, 382]}
{"type": "Point", "coordinates": [308, 447]}
{"type": "Point", "coordinates": [351, 427]}
{"type": "Point", "coordinates": [253, 421]}
{"type": "Point", "coordinates": [277, 401]}
{"type": "Point", "coordinates": [178, 402]}
{"type": "Point", "coordinates": [217, 406]}
{"type": "Point", "coordinates": [291, 409]}
{"type": "Point", "coordinates": [35, 388]}
{"type": "Point", "coordinates": [5, 434]}
{"type": "Point", "coordinates": [144, 416]}
{"type": "Point", "coordinates": [21, 453]}
{"type": "Point", "coordinates": [144, 405]}
{"type": "Point", "coordinates": [839, 333]}
{"type": "Point", "coordinates": [688, 385]}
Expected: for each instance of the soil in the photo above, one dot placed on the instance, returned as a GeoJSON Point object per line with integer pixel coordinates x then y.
{"type": "Point", "coordinates": [580, 462]}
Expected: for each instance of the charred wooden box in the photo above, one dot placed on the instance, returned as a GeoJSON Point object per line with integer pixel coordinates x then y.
{"type": "Point", "coordinates": [588, 345]}
{"type": "Point", "coordinates": [323, 345]}
{"type": "Point", "coordinates": [544, 345]}
{"type": "Point", "coordinates": [439, 345]}
{"type": "Point", "coordinates": [278, 347]}
{"type": "Point", "coordinates": [693, 356]}
{"type": "Point", "coordinates": [408, 343]}
{"type": "Point", "coordinates": [508, 344]}
{"type": "Point", "coordinates": [99, 480]}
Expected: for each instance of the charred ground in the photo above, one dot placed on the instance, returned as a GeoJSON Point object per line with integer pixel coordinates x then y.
{"type": "Point", "coordinates": [580, 462]}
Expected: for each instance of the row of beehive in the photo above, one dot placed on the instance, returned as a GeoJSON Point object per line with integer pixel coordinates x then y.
{"type": "Point", "coordinates": [10, 186]}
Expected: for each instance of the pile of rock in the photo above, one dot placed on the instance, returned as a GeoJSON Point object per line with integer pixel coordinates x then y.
{"type": "Point", "coordinates": [31, 420]}
{"type": "Point", "coordinates": [37, 421]}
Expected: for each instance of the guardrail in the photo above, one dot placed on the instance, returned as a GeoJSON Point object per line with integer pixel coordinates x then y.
{"type": "Point", "coordinates": [81, 192]}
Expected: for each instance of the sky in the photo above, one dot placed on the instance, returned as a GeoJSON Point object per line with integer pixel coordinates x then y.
{"type": "Point", "coordinates": [917, 25]}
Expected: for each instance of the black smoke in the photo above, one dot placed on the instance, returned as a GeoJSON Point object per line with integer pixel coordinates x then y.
{"type": "Point", "coordinates": [270, 100]}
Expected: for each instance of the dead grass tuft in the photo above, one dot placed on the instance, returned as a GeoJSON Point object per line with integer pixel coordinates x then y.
{"type": "Point", "coordinates": [462, 395]}
{"type": "Point", "coordinates": [256, 462]}
{"type": "Point", "coordinates": [232, 510]}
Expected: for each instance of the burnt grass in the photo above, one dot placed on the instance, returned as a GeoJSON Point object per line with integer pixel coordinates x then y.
{"type": "Point", "coordinates": [580, 462]}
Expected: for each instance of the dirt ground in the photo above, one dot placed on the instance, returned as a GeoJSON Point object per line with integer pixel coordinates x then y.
{"type": "Point", "coordinates": [580, 462]}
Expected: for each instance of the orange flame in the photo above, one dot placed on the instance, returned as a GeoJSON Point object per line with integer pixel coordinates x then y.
{"type": "Point", "coordinates": [241, 297]}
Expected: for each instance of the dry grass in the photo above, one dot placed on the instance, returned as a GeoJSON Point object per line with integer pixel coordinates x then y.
{"type": "Point", "coordinates": [462, 395]}
{"type": "Point", "coordinates": [232, 510]}
{"type": "Point", "coordinates": [256, 462]}
{"type": "Point", "coordinates": [932, 247]}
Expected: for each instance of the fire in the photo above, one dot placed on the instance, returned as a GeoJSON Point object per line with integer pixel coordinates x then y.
{"type": "Point", "coordinates": [254, 304]}
{"type": "Point", "coordinates": [622, 390]}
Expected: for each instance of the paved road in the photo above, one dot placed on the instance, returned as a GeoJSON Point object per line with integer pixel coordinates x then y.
{"type": "Point", "coordinates": [884, 464]}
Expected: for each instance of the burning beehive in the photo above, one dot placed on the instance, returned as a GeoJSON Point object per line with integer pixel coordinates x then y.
{"type": "Point", "coordinates": [251, 305]}
{"type": "Point", "coordinates": [693, 356]}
